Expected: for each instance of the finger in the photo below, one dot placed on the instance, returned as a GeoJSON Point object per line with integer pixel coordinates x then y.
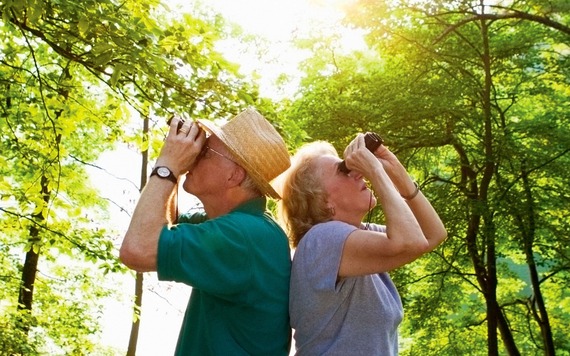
{"type": "Point", "coordinates": [381, 149]}
{"type": "Point", "coordinates": [360, 143]}
{"type": "Point", "coordinates": [175, 124]}
{"type": "Point", "coordinates": [186, 127]}
{"type": "Point", "coordinates": [195, 133]}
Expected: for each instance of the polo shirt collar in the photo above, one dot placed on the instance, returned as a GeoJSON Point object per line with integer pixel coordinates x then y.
{"type": "Point", "coordinates": [255, 206]}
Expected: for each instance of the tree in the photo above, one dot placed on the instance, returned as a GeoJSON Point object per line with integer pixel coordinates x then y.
{"type": "Point", "coordinates": [72, 75]}
{"type": "Point", "coordinates": [471, 96]}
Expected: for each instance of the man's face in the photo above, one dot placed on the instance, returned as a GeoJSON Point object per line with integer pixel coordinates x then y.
{"type": "Point", "coordinates": [211, 170]}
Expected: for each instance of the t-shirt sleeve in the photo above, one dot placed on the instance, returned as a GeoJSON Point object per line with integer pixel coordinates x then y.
{"type": "Point", "coordinates": [212, 256]}
{"type": "Point", "coordinates": [320, 251]}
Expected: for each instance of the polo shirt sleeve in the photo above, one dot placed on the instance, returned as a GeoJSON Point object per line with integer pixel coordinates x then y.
{"type": "Point", "coordinates": [212, 256]}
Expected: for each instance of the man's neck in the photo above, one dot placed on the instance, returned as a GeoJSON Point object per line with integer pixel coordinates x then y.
{"type": "Point", "coordinates": [225, 202]}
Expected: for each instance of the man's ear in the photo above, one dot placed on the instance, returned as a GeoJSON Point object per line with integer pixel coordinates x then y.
{"type": "Point", "coordinates": [237, 176]}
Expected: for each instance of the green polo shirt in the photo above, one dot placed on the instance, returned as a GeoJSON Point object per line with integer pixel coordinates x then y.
{"type": "Point", "coordinates": [239, 267]}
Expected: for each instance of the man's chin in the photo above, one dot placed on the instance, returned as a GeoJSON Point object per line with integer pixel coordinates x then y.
{"type": "Point", "coordinates": [187, 186]}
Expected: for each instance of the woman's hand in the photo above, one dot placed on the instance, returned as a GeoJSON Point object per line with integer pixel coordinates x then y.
{"type": "Point", "coordinates": [358, 158]}
{"type": "Point", "coordinates": [396, 171]}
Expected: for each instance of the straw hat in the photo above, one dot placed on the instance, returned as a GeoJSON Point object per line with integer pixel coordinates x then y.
{"type": "Point", "coordinates": [255, 145]}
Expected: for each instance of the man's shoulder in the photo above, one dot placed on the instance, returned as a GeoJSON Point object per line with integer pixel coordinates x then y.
{"type": "Point", "coordinates": [193, 217]}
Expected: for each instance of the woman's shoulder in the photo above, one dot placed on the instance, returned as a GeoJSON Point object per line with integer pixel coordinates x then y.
{"type": "Point", "coordinates": [326, 233]}
{"type": "Point", "coordinates": [332, 226]}
{"type": "Point", "coordinates": [333, 232]}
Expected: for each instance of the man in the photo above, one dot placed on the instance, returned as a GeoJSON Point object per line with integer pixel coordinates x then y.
{"type": "Point", "coordinates": [234, 255]}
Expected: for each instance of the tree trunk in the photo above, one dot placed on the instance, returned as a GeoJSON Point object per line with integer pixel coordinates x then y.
{"type": "Point", "coordinates": [506, 334]}
{"type": "Point", "coordinates": [29, 272]}
{"type": "Point", "coordinates": [489, 238]}
{"type": "Point", "coordinates": [537, 306]}
{"type": "Point", "coordinates": [26, 294]}
{"type": "Point", "coordinates": [133, 339]}
{"type": "Point", "coordinates": [495, 318]}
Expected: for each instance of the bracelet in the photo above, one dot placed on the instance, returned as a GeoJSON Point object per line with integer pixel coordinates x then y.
{"type": "Point", "coordinates": [413, 195]}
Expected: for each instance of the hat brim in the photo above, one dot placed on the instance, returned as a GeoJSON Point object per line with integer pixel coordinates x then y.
{"type": "Point", "coordinates": [213, 129]}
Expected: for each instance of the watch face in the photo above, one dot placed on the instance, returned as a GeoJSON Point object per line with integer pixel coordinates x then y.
{"type": "Point", "coordinates": [163, 172]}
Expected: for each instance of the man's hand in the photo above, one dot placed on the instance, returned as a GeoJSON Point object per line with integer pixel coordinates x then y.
{"type": "Point", "coordinates": [182, 146]}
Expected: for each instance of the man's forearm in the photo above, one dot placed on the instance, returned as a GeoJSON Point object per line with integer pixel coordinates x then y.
{"type": "Point", "coordinates": [140, 245]}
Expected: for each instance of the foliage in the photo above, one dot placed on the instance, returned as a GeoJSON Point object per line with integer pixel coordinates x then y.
{"type": "Point", "coordinates": [473, 100]}
{"type": "Point", "coordinates": [73, 76]}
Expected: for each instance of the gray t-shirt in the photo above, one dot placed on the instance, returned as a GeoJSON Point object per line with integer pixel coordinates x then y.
{"type": "Point", "coordinates": [356, 316]}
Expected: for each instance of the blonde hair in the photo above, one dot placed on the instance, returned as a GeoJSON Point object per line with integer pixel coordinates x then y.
{"type": "Point", "coordinates": [304, 199]}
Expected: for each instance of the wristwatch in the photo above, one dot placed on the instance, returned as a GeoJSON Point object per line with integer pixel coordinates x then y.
{"type": "Point", "coordinates": [165, 173]}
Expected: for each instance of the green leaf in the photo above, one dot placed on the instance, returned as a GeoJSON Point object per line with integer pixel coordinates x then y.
{"type": "Point", "coordinates": [116, 74]}
{"type": "Point", "coordinates": [103, 58]}
{"type": "Point", "coordinates": [83, 25]}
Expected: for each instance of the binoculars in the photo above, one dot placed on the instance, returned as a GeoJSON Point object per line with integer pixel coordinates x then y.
{"type": "Point", "coordinates": [372, 141]}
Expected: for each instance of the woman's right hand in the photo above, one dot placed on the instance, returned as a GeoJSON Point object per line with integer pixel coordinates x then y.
{"type": "Point", "coordinates": [359, 159]}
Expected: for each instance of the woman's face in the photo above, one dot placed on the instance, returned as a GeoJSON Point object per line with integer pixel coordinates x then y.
{"type": "Point", "coordinates": [348, 194]}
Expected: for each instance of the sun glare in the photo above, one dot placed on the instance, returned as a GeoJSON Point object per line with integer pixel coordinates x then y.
{"type": "Point", "coordinates": [278, 24]}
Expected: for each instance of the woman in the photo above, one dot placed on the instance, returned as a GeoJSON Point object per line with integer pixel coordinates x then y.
{"type": "Point", "coordinates": [342, 300]}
